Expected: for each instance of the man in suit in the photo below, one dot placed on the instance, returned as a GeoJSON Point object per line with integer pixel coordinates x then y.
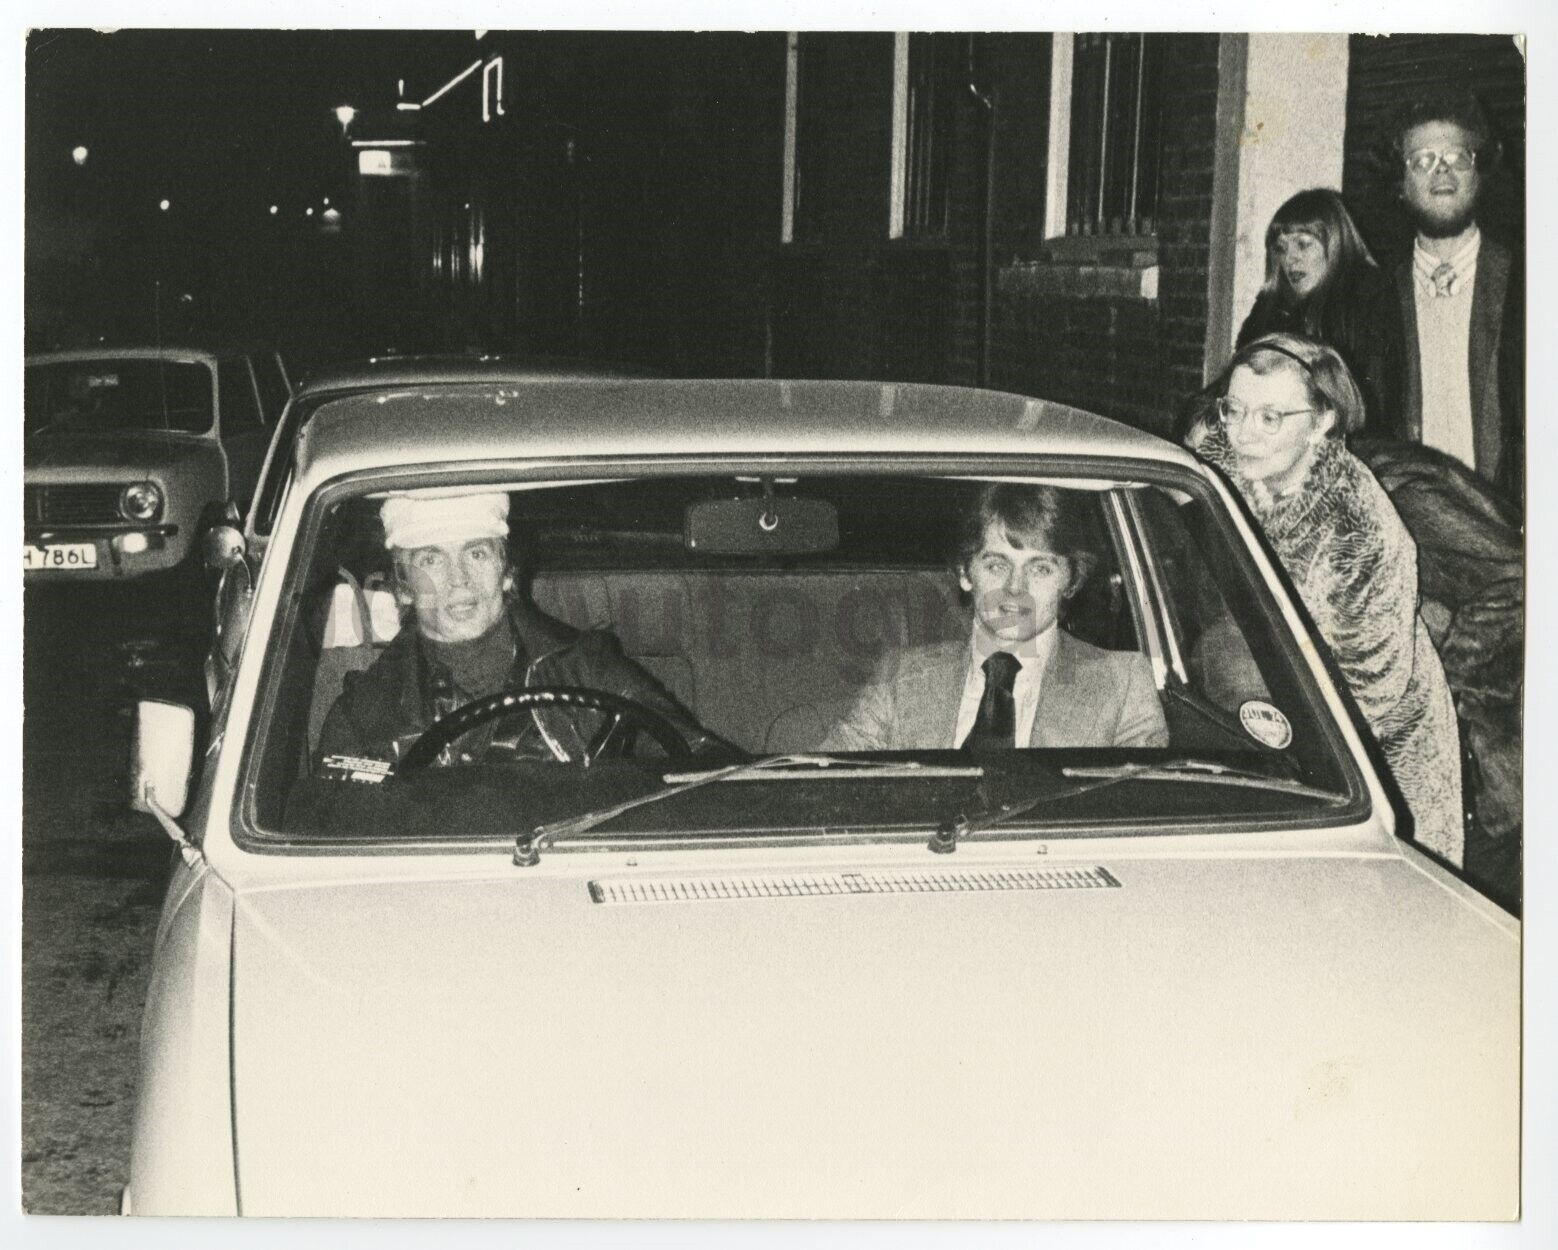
{"type": "Point", "coordinates": [1461, 296]}
{"type": "Point", "coordinates": [1021, 553]}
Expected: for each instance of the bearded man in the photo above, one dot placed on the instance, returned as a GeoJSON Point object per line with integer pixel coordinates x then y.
{"type": "Point", "coordinates": [1461, 296]}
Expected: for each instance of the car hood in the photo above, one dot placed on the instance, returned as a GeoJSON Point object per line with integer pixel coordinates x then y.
{"type": "Point", "coordinates": [130, 451]}
{"type": "Point", "coordinates": [1263, 1037]}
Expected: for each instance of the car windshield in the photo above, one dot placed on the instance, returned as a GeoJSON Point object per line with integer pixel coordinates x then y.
{"type": "Point", "coordinates": [841, 617]}
{"type": "Point", "coordinates": [118, 394]}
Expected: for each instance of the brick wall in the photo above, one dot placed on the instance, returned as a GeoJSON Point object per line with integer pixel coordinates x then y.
{"type": "Point", "coordinates": [1386, 70]}
{"type": "Point", "coordinates": [1090, 330]}
{"type": "Point", "coordinates": [667, 220]}
{"type": "Point", "coordinates": [1079, 329]}
{"type": "Point", "coordinates": [1185, 211]}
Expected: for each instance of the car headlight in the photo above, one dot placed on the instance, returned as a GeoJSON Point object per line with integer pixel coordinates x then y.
{"type": "Point", "coordinates": [140, 501]}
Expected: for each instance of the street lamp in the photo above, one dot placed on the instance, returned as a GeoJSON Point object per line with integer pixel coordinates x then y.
{"type": "Point", "coordinates": [79, 154]}
{"type": "Point", "coordinates": [164, 205]}
{"type": "Point", "coordinates": [344, 114]}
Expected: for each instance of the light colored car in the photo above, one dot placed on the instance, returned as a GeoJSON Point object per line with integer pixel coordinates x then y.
{"type": "Point", "coordinates": [1185, 972]}
{"type": "Point", "coordinates": [130, 451]}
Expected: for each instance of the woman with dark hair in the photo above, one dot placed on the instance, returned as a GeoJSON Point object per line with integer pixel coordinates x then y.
{"type": "Point", "coordinates": [1322, 282]}
{"type": "Point", "coordinates": [1275, 424]}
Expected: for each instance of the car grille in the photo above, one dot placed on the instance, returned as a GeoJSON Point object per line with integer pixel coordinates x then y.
{"type": "Point", "coordinates": [825, 884]}
{"type": "Point", "coordinates": [96, 504]}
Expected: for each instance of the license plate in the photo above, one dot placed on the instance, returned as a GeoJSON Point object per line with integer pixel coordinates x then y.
{"type": "Point", "coordinates": [60, 556]}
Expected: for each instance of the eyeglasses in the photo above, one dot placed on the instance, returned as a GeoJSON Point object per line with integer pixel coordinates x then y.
{"type": "Point", "coordinates": [1268, 420]}
{"type": "Point", "coordinates": [1425, 161]}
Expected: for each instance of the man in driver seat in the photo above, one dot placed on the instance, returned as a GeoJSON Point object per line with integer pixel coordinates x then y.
{"type": "Point", "coordinates": [475, 637]}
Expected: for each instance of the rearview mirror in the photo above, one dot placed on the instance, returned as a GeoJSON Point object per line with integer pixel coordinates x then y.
{"type": "Point", "coordinates": [161, 756]}
{"type": "Point", "coordinates": [766, 526]}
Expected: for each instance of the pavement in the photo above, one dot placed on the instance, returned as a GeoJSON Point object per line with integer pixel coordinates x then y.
{"type": "Point", "coordinates": [93, 874]}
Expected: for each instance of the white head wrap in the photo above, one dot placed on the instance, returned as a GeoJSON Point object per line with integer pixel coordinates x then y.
{"type": "Point", "coordinates": [412, 520]}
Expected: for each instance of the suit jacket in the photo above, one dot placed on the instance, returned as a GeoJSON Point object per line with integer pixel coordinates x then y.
{"type": "Point", "coordinates": [1495, 367]}
{"type": "Point", "coordinates": [1088, 697]}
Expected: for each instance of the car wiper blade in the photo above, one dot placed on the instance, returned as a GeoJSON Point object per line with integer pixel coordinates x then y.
{"type": "Point", "coordinates": [1206, 772]}
{"type": "Point", "coordinates": [528, 846]}
{"type": "Point", "coordinates": [812, 766]}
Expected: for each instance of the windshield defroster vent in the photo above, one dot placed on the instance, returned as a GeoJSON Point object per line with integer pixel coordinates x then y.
{"type": "Point", "coordinates": [826, 884]}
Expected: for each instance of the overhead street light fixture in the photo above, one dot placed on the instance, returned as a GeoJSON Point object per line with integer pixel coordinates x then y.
{"type": "Point", "coordinates": [345, 114]}
{"type": "Point", "coordinates": [79, 154]}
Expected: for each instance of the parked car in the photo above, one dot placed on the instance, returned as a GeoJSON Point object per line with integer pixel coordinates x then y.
{"type": "Point", "coordinates": [129, 450]}
{"type": "Point", "coordinates": [1198, 975]}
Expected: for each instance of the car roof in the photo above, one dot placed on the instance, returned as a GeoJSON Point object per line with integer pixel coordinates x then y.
{"type": "Point", "coordinates": [402, 370]}
{"type": "Point", "coordinates": [437, 423]}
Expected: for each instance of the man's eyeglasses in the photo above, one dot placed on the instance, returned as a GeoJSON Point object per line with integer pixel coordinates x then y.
{"type": "Point", "coordinates": [1268, 420]}
{"type": "Point", "coordinates": [1425, 160]}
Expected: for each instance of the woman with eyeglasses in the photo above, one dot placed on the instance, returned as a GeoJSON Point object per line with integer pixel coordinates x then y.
{"type": "Point", "coordinates": [1274, 422]}
{"type": "Point", "coordinates": [1322, 282]}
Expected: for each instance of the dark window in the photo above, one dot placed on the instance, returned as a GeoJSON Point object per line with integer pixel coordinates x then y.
{"type": "Point", "coordinates": [811, 136]}
{"type": "Point", "coordinates": [118, 394]}
{"type": "Point", "coordinates": [933, 61]}
{"type": "Point", "coordinates": [842, 136]}
{"type": "Point", "coordinates": [240, 406]}
{"type": "Point", "coordinates": [1116, 124]}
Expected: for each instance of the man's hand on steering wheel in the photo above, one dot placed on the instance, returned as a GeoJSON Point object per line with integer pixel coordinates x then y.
{"type": "Point", "coordinates": [617, 709]}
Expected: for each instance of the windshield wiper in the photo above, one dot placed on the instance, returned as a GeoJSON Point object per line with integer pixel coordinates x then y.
{"type": "Point", "coordinates": [830, 766]}
{"type": "Point", "coordinates": [1206, 772]}
{"type": "Point", "coordinates": [528, 846]}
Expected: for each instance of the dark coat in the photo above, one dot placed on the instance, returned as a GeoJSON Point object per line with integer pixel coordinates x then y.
{"type": "Point", "coordinates": [1495, 366]}
{"type": "Point", "coordinates": [393, 701]}
{"type": "Point", "coordinates": [1364, 328]}
{"type": "Point", "coordinates": [1471, 567]}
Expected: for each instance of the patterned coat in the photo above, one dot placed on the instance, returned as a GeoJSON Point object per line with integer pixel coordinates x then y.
{"type": "Point", "coordinates": [1355, 567]}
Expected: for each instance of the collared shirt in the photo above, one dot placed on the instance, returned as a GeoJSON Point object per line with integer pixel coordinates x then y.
{"type": "Point", "coordinates": [1032, 656]}
{"type": "Point", "coordinates": [1443, 334]}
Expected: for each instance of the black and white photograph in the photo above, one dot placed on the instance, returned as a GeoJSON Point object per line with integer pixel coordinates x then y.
{"type": "Point", "coordinates": [920, 620]}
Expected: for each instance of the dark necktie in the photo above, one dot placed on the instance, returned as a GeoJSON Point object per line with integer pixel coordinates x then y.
{"type": "Point", "coordinates": [996, 723]}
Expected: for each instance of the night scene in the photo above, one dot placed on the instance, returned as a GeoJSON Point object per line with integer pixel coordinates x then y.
{"type": "Point", "coordinates": [774, 624]}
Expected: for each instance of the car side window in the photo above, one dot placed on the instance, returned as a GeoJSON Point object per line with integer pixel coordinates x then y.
{"type": "Point", "coordinates": [274, 391]}
{"type": "Point", "coordinates": [1208, 649]}
{"type": "Point", "coordinates": [1099, 611]}
{"type": "Point", "coordinates": [240, 406]}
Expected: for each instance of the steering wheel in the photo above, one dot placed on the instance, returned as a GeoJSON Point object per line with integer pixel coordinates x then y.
{"type": "Point", "coordinates": [619, 710]}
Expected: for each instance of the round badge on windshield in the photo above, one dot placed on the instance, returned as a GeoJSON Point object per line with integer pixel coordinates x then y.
{"type": "Point", "coordinates": [1266, 724]}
